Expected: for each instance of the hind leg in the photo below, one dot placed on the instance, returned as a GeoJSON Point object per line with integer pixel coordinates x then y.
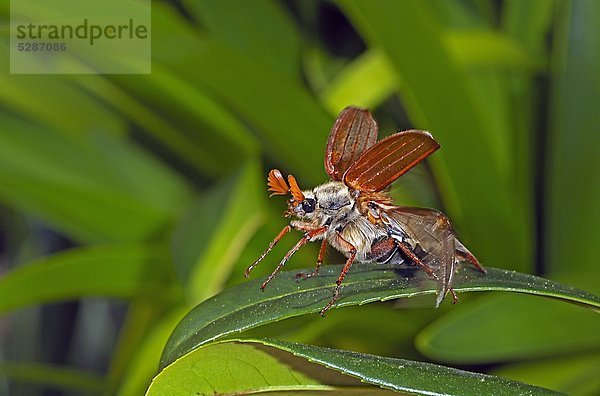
{"type": "Point", "coordinates": [464, 254]}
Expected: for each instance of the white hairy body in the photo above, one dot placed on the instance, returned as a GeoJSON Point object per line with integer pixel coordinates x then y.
{"type": "Point", "coordinates": [337, 209]}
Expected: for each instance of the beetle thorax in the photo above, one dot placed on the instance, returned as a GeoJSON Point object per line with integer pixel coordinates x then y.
{"type": "Point", "coordinates": [333, 197]}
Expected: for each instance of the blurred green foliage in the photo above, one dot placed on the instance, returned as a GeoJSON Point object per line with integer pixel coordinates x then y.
{"type": "Point", "coordinates": [128, 199]}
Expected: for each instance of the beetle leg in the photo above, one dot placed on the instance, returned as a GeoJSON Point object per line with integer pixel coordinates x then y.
{"type": "Point", "coordinates": [303, 275]}
{"type": "Point", "coordinates": [454, 296]}
{"type": "Point", "coordinates": [469, 257]}
{"type": "Point", "coordinates": [284, 231]}
{"type": "Point", "coordinates": [464, 254]}
{"type": "Point", "coordinates": [415, 259]}
{"type": "Point", "coordinates": [345, 270]}
{"type": "Point", "coordinates": [383, 250]}
{"type": "Point", "coordinates": [305, 239]}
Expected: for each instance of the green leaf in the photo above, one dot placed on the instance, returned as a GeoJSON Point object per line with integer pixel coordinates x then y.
{"type": "Point", "coordinates": [185, 119]}
{"type": "Point", "coordinates": [293, 134]}
{"type": "Point", "coordinates": [529, 21]}
{"type": "Point", "coordinates": [287, 116]}
{"type": "Point", "coordinates": [122, 271]}
{"type": "Point", "coordinates": [98, 188]}
{"type": "Point", "coordinates": [366, 81]}
{"type": "Point", "coordinates": [126, 100]}
{"type": "Point", "coordinates": [438, 96]}
{"type": "Point", "coordinates": [571, 374]}
{"type": "Point", "coordinates": [214, 231]}
{"type": "Point", "coordinates": [141, 367]}
{"type": "Point", "coordinates": [190, 122]}
{"type": "Point", "coordinates": [375, 329]}
{"type": "Point", "coordinates": [53, 376]}
{"type": "Point", "coordinates": [573, 163]}
{"type": "Point", "coordinates": [478, 48]}
{"type": "Point", "coordinates": [50, 100]}
{"type": "Point", "coordinates": [370, 79]}
{"type": "Point", "coordinates": [248, 368]}
{"type": "Point", "coordinates": [481, 332]}
{"type": "Point", "coordinates": [261, 366]}
{"type": "Point", "coordinates": [244, 306]}
{"type": "Point", "coordinates": [271, 35]}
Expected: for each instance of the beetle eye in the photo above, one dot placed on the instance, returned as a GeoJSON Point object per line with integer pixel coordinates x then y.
{"type": "Point", "coordinates": [308, 205]}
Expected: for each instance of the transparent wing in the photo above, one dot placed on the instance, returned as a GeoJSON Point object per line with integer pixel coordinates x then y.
{"type": "Point", "coordinates": [433, 233]}
{"type": "Point", "coordinates": [389, 159]}
{"type": "Point", "coordinates": [353, 133]}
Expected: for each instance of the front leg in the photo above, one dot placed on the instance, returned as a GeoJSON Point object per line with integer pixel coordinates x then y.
{"type": "Point", "coordinates": [274, 242]}
{"type": "Point", "coordinates": [305, 239]}
{"type": "Point", "coordinates": [293, 225]}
